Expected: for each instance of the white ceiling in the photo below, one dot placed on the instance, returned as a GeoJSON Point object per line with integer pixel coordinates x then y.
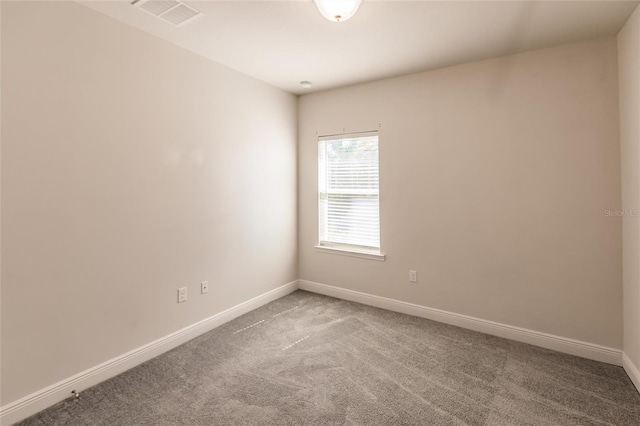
{"type": "Point", "coordinates": [285, 42]}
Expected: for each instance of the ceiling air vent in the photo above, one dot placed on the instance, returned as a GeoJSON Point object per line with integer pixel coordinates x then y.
{"type": "Point", "coordinates": [172, 11]}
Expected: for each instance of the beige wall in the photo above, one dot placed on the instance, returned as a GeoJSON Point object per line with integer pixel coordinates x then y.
{"type": "Point", "coordinates": [629, 81]}
{"type": "Point", "coordinates": [494, 180]}
{"type": "Point", "coordinates": [130, 167]}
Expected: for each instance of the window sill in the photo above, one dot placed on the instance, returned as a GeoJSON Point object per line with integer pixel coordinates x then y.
{"type": "Point", "coordinates": [351, 253]}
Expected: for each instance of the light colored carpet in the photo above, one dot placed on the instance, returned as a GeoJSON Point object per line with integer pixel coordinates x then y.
{"type": "Point", "coordinates": [308, 359]}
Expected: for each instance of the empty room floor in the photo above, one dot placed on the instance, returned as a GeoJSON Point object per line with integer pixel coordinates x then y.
{"type": "Point", "coordinates": [308, 359]}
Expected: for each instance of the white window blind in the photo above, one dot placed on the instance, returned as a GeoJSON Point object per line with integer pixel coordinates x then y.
{"type": "Point", "coordinates": [348, 190]}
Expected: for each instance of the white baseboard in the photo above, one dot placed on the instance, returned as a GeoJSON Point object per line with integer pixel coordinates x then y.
{"type": "Point", "coordinates": [632, 370]}
{"type": "Point", "coordinates": [37, 401]}
{"type": "Point", "coordinates": [549, 341]}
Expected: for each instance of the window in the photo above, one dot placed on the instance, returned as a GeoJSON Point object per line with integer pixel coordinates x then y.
{"type": "Point", "coordinates": [348, 191]}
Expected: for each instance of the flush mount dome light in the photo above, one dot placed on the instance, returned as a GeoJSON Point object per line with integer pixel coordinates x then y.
{"type": "Point", "coordinates": [338, 10]}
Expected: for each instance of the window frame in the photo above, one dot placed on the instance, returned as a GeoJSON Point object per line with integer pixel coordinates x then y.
{"type": "Point", "coordinates": [351, 250]}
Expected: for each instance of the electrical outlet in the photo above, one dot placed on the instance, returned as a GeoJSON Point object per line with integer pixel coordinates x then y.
{"type": "Point", "coordinates": [182, 294]}
{"type": "Point", "coordinates": [413, 276]}
{"type": "Point", "coordinates": [204, 287]}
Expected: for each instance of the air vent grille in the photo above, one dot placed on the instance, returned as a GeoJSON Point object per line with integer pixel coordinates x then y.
{"type": "Point", "coordinates": [172, 11]}
{"type": "Point", "coordinates": [158, 7]}
{"type": "Point", "coordinates": [179, 14]}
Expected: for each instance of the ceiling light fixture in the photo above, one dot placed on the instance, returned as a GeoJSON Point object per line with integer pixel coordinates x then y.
{"type": "Point", "coordinates": [338, 10]}
{"type": "Point", "coordinates": [306, 84]}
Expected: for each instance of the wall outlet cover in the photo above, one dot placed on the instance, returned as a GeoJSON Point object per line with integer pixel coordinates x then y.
{"type": "Point", "coordinates": [182, 294]}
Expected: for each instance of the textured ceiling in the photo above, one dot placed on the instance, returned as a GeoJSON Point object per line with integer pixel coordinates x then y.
{"type": "Point", "coordinates": [285, 42]}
